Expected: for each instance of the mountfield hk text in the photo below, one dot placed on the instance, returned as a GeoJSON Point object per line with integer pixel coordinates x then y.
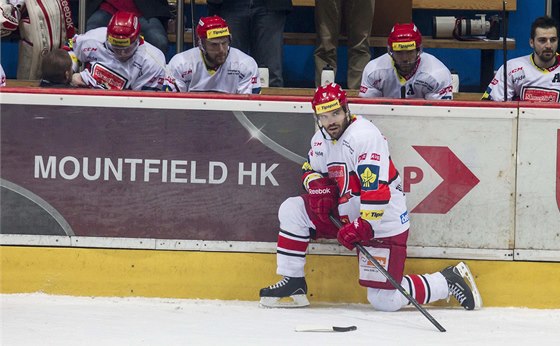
{"type": "Point", "coordinates": [151, 170]}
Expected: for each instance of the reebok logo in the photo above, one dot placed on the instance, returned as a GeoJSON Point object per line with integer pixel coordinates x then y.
{"type": "Point", "coordinates": [319, 191]}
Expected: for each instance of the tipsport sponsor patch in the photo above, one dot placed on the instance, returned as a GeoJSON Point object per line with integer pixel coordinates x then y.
{"type": "Point", "coordinates": [371, 215]}
{"type": "Point", "coordinates": [327, 106]}
{"type": "Point", "coordinates": [218, 32]}
{"type": "Point", "coordinates": [398, 46]}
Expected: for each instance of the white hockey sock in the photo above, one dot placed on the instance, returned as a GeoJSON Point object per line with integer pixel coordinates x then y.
{"type": "Point", "coordinates": [426, 288]}
{"type": "Point", "coordinates": [290, 254]}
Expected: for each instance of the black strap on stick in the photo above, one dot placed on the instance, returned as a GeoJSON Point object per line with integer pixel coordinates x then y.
{"type": "Point", "coordinates": [395, 284]}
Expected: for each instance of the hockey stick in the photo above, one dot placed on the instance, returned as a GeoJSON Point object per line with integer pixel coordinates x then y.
{"type": "Point", "coordinates": [317, 328]}
{"type": "Point", "coordinates": [395, 284]}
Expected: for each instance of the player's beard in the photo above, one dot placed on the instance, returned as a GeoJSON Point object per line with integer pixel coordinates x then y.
{"type": "Point", "coordinates": [407, 68]}
{"type": "Point", "coordinates": [218, 59]}
{"type": "Point", "coordinates": [336, 130]}
{"type": "Point", "coordinates": [546, 55]}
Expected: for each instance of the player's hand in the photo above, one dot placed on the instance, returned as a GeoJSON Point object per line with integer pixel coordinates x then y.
{"type": "Point", "coordinates": [354, 232]}
{"type": "Point", "coordinates": [77, 81]}
{"type": "Point", "coordinates": [323, 197]}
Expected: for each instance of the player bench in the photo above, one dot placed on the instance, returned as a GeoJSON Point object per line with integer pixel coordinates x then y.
{"type": "Point", "coordinates": [487, 47]}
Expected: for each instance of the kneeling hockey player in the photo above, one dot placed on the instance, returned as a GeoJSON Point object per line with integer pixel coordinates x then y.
{"type": "Point", "coordinates": [350, 175]}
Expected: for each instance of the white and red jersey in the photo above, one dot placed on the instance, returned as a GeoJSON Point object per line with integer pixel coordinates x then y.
{"type": "Point", "coordinates": [239, 74]}
{"type": "Point", "coordinates": [526, 82]}
{"type": "Point", "coordinates": [369, 184]}
{"type": "Point", "coordinates": [145, 70]}
{"type": "Point", "coordinates": [2, 77]}
{"type": "Point", "coordinates": [431, 79]}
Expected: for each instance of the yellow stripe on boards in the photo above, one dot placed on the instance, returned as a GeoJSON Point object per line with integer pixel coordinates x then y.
{"type": "Point", "coordinates": [229, 276]}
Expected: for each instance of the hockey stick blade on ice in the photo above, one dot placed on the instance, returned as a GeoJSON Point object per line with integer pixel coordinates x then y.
{"type": "Point", "coordinates": [395, 284]}
{"type": "Point", "coordinates": [316, 328]}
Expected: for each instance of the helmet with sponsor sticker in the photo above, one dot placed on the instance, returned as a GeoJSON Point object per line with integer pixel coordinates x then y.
{"type": "Point", "coordinates": [212, 27]}
{"type": "Point", "coordinates": [123, 32]}
{"type": "Point", "coordinates": [328, 97]}
{"type": "Point", "coordinates": [404, 37]}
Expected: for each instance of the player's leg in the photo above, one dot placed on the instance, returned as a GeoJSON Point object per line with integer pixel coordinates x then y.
{"type": "Point", "coordinates": [327, 25]}
{"type": "Point", "coordinates": [456, 281]}
{"type": "Point", "coordinates": [293, 239]}
{"type": "Point", "coordinates": [425, 289]}
{"type": "Point", "coordinates": [154, 32]}
{"type": "Point", "coordinates": [359, 19]}
{"type": "Point", "coordinates": [98, 19]}
{"type": "Point", "coordinates": [267, 42]}
{"type": "Point", "coordinates": [298, 225]}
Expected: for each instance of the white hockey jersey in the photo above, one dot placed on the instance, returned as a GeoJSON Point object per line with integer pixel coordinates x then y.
{"type": "Point", "coordinates": [526, 82]}
{"type": "Point", "coordinates": [2, 77]}
{"type": "Point", "coordinates": [239, 74]}
{"type": "Point", "coordinates": [368, 182]}
{"type": "Point", "coordinates": [145, 70]}
{"type": "Point", "coordinates": [430, 81]}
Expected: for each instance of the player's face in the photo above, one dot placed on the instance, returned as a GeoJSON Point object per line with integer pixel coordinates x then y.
{"type": "Point", "coordinates": [545, 45]}
{"type": "Point", "coordinates": [405, 61]}
{"type": "Point", "coordinates": [124, 53]}
{"type": "Point", "coordinates": [334, 122]}
{"type": "Point", "coordinates": [217, 50]}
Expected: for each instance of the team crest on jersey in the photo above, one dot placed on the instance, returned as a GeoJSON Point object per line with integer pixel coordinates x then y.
{"type": "Point", "coordinates": [339, 173]}
{"type": "Point", "coordinates": [108, 78]}
{"type": "Point", "coordinates": [369, 177]}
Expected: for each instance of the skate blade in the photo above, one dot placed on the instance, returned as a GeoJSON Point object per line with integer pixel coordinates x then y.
{"type": "Point", "coordinates": [466, 274]}
{"type": "Point", "coordinates": [295, 301]}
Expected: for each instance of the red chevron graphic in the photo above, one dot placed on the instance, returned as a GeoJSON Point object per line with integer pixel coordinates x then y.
{"type": "Point", "coordinates": [458, 180]}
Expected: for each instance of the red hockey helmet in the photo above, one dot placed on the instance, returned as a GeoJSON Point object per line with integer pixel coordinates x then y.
{"type": "Point", "coordinates": [123, 29]}
{"type": "Point", "coordinates": [328, 98]}
{"type": "Point", "coordinates": [122, 35]}
{"type": "Point", "coordinates": [404, 37]}
{"type": "Point", "coordinates": [212, 27]}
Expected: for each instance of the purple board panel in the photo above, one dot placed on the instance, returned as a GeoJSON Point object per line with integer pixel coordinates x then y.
{"type": "Point", "coordinates": [148, 173]}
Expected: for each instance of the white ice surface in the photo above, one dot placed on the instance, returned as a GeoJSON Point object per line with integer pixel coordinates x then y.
{"type": "Point", "coordinates": [39, 319]}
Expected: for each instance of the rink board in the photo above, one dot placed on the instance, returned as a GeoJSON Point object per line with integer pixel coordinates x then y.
{"type": "Point", "coordinates": [538, 181]}
{"type": "Point", "coordinates": [482, 182]}
{"type": "Point", "coordinates": [176, 171]}
{"type": "Point", "coordinates": [239, 276]}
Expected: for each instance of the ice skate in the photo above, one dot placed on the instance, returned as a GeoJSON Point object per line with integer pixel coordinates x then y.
{"type": "Point", "coordinates": [467, 294]}
{"type": "Point", "coordinates": [287, 293]}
